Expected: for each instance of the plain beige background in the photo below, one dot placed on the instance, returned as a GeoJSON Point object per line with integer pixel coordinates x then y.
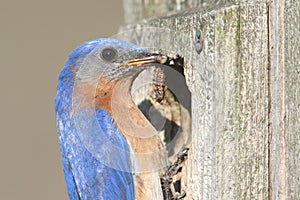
{"type": "Point", "coordinates": [35, 39]}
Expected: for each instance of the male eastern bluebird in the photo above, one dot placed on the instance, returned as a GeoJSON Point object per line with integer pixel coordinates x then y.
{"type": "Point", "coordinates": [109, 149]}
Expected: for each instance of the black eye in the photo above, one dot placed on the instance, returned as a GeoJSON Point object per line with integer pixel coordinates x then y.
{"type": "Point", "coordinates": [108, 54]}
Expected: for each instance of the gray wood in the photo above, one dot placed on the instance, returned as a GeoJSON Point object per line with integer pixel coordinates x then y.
{"type": "Point", "coordinates": [245, 91]}
{"type": "Point", "coordinates": [136, 10]}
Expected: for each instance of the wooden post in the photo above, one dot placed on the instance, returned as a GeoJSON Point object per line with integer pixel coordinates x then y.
{"type": "Point", "coordinates": [245, 86]}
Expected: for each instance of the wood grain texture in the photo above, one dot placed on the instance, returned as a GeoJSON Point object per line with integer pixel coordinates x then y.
{"type": "Point", "coordinates": [245, 92]}
{"type": "Point", "coordinates": [292, 85]}
{"type": "Point", "coordinates": [136, 10]}
{"type": "Point", "coordinates": [284, 100]}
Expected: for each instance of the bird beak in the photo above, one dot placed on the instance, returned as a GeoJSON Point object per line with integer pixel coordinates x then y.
{"type": "Point", "coordinates": [153, 58]}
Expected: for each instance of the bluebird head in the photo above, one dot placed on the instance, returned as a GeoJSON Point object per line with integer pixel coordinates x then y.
{"type": "Point", "coordinates": [109, 58]}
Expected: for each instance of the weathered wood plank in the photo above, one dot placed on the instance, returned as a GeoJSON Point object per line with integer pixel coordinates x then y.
{"type": "Point", "coordinates": [284, 101]}
{"type": "Point", "coordinates": [136, 10]}
{"type": "Point", "coordinates": [292, 85]}
{"type": "Point", "coordinates": [245, 93]}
